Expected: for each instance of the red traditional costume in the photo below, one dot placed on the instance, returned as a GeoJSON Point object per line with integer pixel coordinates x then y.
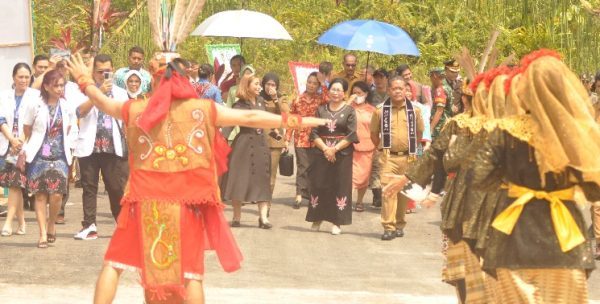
{"type": "Point", "coordinates": [172, 211]}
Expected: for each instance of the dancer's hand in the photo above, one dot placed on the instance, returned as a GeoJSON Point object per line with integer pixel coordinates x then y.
{"type": "Point", "coordinates": [394, 186]}
{"type": "Point", "coordinates": [77, 67]}
{"type": "Point", "coordinates": [312, 122]}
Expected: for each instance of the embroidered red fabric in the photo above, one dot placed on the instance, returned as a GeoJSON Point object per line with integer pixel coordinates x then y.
{"type": "Point", "coordinates": [175, 87]}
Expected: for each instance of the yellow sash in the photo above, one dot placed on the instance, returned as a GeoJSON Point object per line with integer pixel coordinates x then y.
{"type": "Point", "coordinates": [568, 233]}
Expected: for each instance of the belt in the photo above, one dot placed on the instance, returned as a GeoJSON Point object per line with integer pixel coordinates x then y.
{"type": "Point", "coordinates": [403, 153]}
{"type": "Point", "coordinates": [568, 233]}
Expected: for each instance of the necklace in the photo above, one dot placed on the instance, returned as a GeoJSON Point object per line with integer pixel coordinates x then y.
{"type": "Point", "coordinates": [336, 112]}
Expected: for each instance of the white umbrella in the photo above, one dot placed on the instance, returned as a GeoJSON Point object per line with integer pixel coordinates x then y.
{"type": "Point", "coordinates": [242, 24]}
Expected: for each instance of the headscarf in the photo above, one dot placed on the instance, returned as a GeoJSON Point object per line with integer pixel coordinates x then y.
{"type": "Point", "coordinates": [130, 73]}
{"type": "Point", "coordinates": [564, 131]}
{"type": "Point", "coordinates": [496, 101]}
{"type": "Point", "coordinates": [269, 76]}
{"type": "Point", "coordinates": [248, 67]}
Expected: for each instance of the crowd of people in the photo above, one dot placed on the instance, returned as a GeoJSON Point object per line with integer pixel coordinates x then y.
{"type": "Point", "coordinates": [381, 130]}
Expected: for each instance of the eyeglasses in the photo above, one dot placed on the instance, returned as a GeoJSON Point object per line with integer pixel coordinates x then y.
{"type": "Point", "coordinates": [350, 65]}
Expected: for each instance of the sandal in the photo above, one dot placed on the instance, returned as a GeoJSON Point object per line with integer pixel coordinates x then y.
{"type": "Point", "coordinates": [42, 244]}
{"type": "Point", "coordinates": [359, 208]}
{"type": "Point", "coordinates": [6, 232]}
{"type": "Point", "coordinates": [51, 238]}
{"type": "Point", "coordinates": [21, 230]}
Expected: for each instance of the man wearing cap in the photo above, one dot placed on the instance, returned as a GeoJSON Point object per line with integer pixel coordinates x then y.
{"type": "Point", "coordinates": [441, 109]}
{"type": "Point", "coordinates": [396, 129]}
{"type": "Point", "coordinates": [380, 80]}
{"type": "Point", "coordinates": [454, 83]}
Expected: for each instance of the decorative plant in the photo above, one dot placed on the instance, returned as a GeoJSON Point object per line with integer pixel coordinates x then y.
{"type": "Point", "coordinates": [65, 42]}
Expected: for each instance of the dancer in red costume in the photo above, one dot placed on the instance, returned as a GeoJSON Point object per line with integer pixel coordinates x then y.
{"type": "Point", "coordinates": [172, 210]}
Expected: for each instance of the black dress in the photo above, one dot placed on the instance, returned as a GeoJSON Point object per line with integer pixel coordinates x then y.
{"type": "Point", "coordinates": [248, 178]}
{"type": "Point", "coordinates": [533, 242]}
{"type": "Point", "coordinates": [331, 183]}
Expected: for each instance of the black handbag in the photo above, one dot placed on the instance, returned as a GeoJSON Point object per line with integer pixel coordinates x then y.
{"type": "Point", "coordinates": [286, 164]}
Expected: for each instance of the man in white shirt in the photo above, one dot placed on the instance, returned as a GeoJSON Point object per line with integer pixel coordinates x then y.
{"type": "Point", "coordinates": [101, 148]}
{"type": "Point", "coordinates": [136, 61]}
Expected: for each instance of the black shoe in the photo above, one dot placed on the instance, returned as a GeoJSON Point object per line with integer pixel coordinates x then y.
{"type": "Point", "coordinates": [78, 184]}
{"type": "Point", "coordinates": [297, 204]}
{"type": "Point", "coordinates": [264, 225]}
{"type": "Point", "coordinates": [376, 197]}
{"type": "Point", "coordinates": [388, 235]}
{"type": "Point", "coordinates": [3, 211]}
{"type": "Point", "coordinates": [399, 232]}
{"type": "Point", "coordinates": [235, 223]}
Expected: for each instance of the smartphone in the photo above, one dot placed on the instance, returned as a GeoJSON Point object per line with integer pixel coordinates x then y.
{"type": "Point", "coordinates": [64, 54]}
{"type": "Point", "coordinates": [275, 135]}
{"type": "Point", "coordinates": [108, 75]}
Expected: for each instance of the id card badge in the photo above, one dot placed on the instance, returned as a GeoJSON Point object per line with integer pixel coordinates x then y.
{"type": "Point", "coordinates": [107, 122]}
{"type": "Point", "coordinates": [45, 150]}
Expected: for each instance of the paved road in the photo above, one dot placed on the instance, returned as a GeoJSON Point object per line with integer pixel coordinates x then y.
{"type": "Point", "coordinates": [289, 264]}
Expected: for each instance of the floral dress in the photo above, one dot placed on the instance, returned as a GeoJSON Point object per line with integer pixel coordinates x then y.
{"type": "Point", "coordinates": [48, 171]}
{"type": "Point", "coordinates": [10, 176]}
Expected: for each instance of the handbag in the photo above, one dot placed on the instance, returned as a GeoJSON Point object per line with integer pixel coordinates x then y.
{"type": "Point", "coordinates": [286, 164]}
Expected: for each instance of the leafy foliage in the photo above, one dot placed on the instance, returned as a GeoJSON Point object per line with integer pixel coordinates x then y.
{"type": "Point", "coordinates": [440, 29]}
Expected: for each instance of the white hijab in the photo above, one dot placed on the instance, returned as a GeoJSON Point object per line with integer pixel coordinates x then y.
{"type": "Point", "coordinates": [133, 95]}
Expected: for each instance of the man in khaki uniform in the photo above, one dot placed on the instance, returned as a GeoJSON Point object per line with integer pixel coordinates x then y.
{"type": "Point", "coordinates": [396, 128]}
{"type": "Point", "coordinates": [349, 72]}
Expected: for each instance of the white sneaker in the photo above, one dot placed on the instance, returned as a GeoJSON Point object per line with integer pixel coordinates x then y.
{"type": "Point", "coordinates": [89, 233]}
{"type": "Point", "coordinates": [336, 230]}
{"type": "Point", "coordinates": [316, 226]}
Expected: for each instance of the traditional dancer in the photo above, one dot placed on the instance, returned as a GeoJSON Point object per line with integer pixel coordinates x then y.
{"type": "Point", "coordinates": [172, 201]}
{"type": "Point", "coordinates": [537, 247]}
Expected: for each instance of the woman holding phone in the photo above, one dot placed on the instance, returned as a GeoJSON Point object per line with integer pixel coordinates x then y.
{"type": "Point", "coordinates": [276, 104]}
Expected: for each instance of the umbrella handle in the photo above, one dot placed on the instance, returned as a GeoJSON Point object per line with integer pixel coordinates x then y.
{"type": "Point", "coordinates": [367, 67]}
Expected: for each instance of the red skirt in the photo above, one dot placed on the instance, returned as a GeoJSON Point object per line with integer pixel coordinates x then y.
{"type": "Point", "coordinates": [200, 227]}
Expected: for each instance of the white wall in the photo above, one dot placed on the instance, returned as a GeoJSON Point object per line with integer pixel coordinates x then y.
{"type": "Point", "coordinates": [16, 40]}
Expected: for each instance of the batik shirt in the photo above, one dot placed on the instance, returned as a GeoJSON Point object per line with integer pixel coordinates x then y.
{"type": "Point", "coordinates": [305, 106]}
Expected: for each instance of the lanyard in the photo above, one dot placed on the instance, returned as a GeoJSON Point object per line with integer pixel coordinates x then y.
{"type": "Point", "coordinates": [52, 121]}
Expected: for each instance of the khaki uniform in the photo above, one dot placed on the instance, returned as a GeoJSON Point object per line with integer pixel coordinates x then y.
{"type": "Point", "coordinates": [276, 146]}
{"type": "Point", "coordinates": [393, 209]}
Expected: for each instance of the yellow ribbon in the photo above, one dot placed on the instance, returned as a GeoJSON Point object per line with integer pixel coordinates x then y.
{"type": "Point", "coordinates": [568, 233]}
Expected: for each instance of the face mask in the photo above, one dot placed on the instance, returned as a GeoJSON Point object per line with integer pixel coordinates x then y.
{"type": "Point", "coordinates": [360, 99]}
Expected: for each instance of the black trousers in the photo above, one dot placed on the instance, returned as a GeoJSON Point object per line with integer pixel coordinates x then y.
{"type": "Point", "coordinates": [114, 172]}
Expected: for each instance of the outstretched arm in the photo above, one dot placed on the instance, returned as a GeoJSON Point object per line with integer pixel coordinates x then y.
{"type": "Point", "coordinates": [80, 72]}
{"type": "Point", "coordinates": [258, 119]}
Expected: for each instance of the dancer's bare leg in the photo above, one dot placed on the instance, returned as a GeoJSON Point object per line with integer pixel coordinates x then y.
{"type": "Point", "coordinates": [106, 286]}
{"type": "Point", "coordinates": [194, 291]}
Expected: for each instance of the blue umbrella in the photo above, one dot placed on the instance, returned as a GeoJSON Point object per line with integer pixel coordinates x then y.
{"type": "Point", "coordinates": [370, 36]}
